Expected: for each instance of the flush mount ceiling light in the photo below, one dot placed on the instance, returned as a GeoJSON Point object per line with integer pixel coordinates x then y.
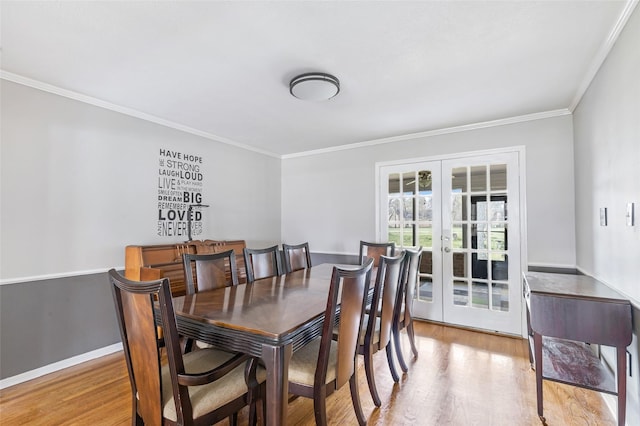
{"type": "Point", "coordinates": [314, 86]}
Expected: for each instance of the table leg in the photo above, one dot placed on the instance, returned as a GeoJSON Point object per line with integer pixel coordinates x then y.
{"type": "Point", "coordinates": [622, 384]}
{"type": "Point", "coordinates": [276, 360]}
{"type": "Point", "coordinates": [537, 347]}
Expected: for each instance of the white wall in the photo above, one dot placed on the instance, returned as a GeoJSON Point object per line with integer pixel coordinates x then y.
{"type": "Point", "coordinates": [80, 182]}
{"type": "Point", "coordinates": [607, 162]}
{"type": "Point", "coordinates": [607, 157]}
{"type": "Point", "coordinates": [335, 192]}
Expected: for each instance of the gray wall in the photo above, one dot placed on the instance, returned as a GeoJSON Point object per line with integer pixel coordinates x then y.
{"type": "Point", "coordinates": [51, 320]}
{"type": "Point", "coordinates": [607, 163]}
{"type": "Point", "coordinates": [79, 183]}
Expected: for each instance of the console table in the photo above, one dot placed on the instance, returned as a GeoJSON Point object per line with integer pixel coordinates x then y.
{"type": "Point", "coordinates": [565, 313]}
{"type": "Point", "coordinates": [152, 262]}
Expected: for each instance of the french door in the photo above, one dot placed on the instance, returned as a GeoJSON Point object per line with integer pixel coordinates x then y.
{"type": "Point", "coordinates": [465, 214]}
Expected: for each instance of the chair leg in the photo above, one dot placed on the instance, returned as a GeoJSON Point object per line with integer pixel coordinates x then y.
{"type": "Point", "coordinates": [396, 341]}
{"type": "Point", "coordinates": [412, 339]}
{"type": "Point", "coordinates": [392, 365]}
{"type": "Point", "coordinates": [233, 419]}
{"type": "Point", "coordinates": [355, 399]}
{"type": "Point", "coordinates": [368, 368]}
{"type": "Point", "coordinates": [320, 407]}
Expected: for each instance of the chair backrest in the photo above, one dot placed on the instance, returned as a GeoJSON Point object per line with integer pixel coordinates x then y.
{"type": "Point", "coordinates": [353, 286]}
{"type": "Point", "coordinates": [262, 263]}
{"type": "Point", "coordinates": [210, 271]}
{"type": "Point", "coordinates": [409, 283]}
{"type": "Point", "coordinates": [134, 301]}
{"type": "Point", "coordinates": [375, 250]}
{"type": "Point", "coordinates": [296, 256]}
{"type": "Point", "coordinates": [388, 281]}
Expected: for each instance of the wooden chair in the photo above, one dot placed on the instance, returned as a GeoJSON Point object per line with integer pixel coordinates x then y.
{"type": "Point", "coordinates": [198, 388]}
{"type": "Point", "coordinates": [377, 331]}
{"type": "Point", "coordinates": [296, 256]}
{"type": "Point", "coordinates": [210, 271]}
{"type": "Point", "coordinates": [325, 365]}
{"type": "Point", "coordinates": [375, 250]}
{"type": "Point", "coordinates": [403, 316]}
{"type": "Point", "coordinates": [262, 263]}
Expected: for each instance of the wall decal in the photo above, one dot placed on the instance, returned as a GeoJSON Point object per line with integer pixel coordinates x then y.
{"type": "Point", "coordinates": [180, 184]}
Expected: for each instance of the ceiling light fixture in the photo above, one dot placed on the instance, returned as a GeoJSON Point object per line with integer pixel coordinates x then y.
{"type": "Point", "coordinates": [314, 86]}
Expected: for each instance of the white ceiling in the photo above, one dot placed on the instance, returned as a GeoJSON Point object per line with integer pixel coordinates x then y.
{"type": "Point", "coordinates": [222, 69]}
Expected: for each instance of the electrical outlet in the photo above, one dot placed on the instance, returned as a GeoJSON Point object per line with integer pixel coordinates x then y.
{"type": "Point", "coordinates": [629, 215]}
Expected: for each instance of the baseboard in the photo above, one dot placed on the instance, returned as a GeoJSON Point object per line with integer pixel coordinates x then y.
{"type": "Point", "coordinates": [60, 365]}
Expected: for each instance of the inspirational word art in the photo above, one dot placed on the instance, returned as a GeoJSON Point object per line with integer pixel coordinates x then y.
{"type": "Point", "coordinates": [180, 183]}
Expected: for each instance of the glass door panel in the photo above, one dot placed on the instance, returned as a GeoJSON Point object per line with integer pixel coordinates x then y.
{"type": "Point", "coordinates": [459, 211]}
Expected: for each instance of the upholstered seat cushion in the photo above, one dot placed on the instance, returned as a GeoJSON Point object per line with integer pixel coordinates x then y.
{"type": "Point", "coordinates": [302, 366]}
{"type": "Point", "coordinates": [207, 397]}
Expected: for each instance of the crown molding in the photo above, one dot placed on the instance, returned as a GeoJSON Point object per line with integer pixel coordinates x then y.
{"type": "Point", "coordinates": [603, 53]}
{"type": "Point", "coordinates": [437, 132]}
{"type": "Point", "coordinates": [25, 81]}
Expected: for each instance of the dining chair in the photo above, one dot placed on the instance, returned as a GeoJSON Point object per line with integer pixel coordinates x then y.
{"type": "Point", "coordinates": [375, 250]}
{"type": "Point", "coordinates": [200, 387]}
{"type": "Point", "coordinates": [376, 332]}
{"type": "Point", "coordinates": [262, 263]}
{"type": "Point", "coordinates": [324, 365]}
{"type": "Point", "coordinates": [296, 256]}
{"type": "Point", "coordinates": [210, 271]}
{"type": "Point", "coordinates": [403, 315]}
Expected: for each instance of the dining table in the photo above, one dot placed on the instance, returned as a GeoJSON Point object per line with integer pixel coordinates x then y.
{"type": "Point", "coordinates": [270, 318]}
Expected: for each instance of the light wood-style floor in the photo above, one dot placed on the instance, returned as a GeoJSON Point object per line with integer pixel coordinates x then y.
{"type": "Point", "coordinates": [461, 377]}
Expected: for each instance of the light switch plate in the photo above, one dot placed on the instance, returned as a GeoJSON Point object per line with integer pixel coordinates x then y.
{"type": "Point", "coordinates": [629, 215]}
{"type": "Point", "coordinates": [603, 216]}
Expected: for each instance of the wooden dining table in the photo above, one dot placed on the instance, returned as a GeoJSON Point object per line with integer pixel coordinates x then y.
{"type": "Point", "coordinates": [270, 318]}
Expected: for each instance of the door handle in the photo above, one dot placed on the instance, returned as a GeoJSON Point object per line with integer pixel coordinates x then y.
{"type": "Point", "coordinates": [447, 249]}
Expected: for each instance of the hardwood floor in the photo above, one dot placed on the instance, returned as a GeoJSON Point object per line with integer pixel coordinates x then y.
{"type": "Point", "coordinates": [460, 378]}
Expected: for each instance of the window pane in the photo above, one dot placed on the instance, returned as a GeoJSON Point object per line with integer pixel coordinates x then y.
{"type": "Point", "coordinates": [500, 296]}
{"type": "Point", "coordinates": [498, 177]}
{"type": "Point", "coordinates": [479, 178]}
{"type": "Point", "coordinates": [460, 265]}
{"type": "Point", "coordinates": [408, 208]}
{"type": "Point", "coordinates": [394, 209]}
{"type": "Point", "coordinates": [500, 269]}
{"type": "Point", "coordinates": [424, 180]}
{"type": "Point", "coordinates": [459, 236]}
{"type": "Point", "coordinates": [394, 184]}
{"type": "Point", "coordinates": [480, 296]}
{"type": "Point", "coordinates": [479, 265]}
{"type": "Point", "coordinates": [479, 236]}
{"type": "Point", "coordinates": [425, 292]}
{"type": "Point", "coordinates": [426, 262]}
{"type": "Point", "coordinates": [425, 236]}
{"type": "Point", "coordinates": [458, 207]}
{"type": "Point", "coordinates": [479, 207]}
{"type": "Point", "coordinates": [460, 293]}
{"type": "Point", "coordinates": [498, 208]}
{"type": "Point", "coordinates": [409, 183]}
{"type": "Point", "coordinates": [459, 179]}
{"type": "Point", "coordinates": [425, 210]}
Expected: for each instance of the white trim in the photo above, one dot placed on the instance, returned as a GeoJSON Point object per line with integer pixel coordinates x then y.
{"type": "Point", "coordinates": [451, 156]}
{"type": "Point", "coordinates": [54, 276]}
{"type": "Point", "coordinates": [124, 110]}
{"type": "Point", "coordinates": [438, 132]}
{"type": "Point", "coordinates": [603, 53]}
{"type": "Point", "coordinates": [551, 265]}
{"type": "Point", "coordinates": [60, 365]}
